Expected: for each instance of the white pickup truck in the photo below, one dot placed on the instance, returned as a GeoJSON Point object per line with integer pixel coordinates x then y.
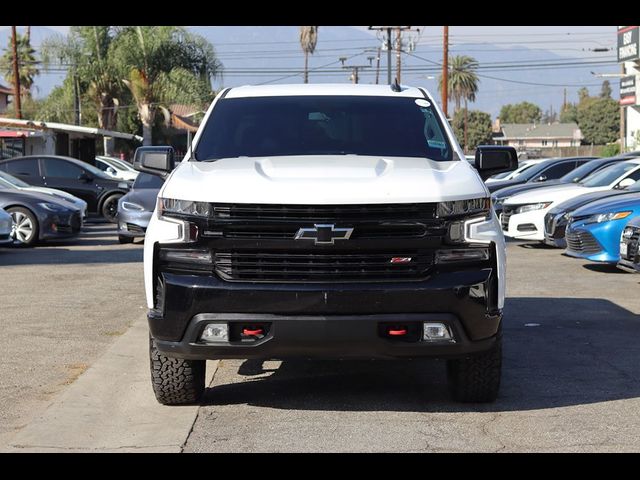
{"type": "Point", "coordinates": [324, 221]}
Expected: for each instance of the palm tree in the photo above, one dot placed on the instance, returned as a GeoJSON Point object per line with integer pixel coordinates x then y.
{"type": "Point", "coordinates": [308, 41]}
{"type": "Point", "coordinates": [87, 50]}
{"type": "Point", "coordinates": [162, 65]}
{"type": "Point", "coordinates": [27, 68]}
{"type": "Point", "coordinates": [463, 83]}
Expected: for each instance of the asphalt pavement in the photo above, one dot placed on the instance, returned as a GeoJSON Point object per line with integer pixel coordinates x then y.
{"type": "Point", "coordinates": [75, 373]}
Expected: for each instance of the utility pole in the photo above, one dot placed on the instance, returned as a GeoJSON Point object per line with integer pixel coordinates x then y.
{"type": "Point", "coordinates": [76, 96]}
{"type": "Point", "coordinates": [445, 72]}
{"type": "Point", "coordinates": [564, 101]}
{"type": "Point", "coordinates": [623, 136]}
{"type": "Point", "coordinates": [378, 66]}
{"type": "Point", "coordinates": [16, 74]}
{"type": "Point", "coordinates": [355, 69]}
{"type": "Point", "coordinates": [398, 54]}
{"type": "Point", "coordinates": [387, 43]}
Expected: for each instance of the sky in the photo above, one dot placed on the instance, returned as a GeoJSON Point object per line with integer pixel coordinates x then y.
{"type": "Point", "coordinates": [277, 48]}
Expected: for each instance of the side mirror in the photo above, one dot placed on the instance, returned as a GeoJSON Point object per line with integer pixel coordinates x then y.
{"type": "Point", "coordinates": [111, 171]}
{"type": "Point", "coordinates": [493, 159]}
{"type": "Point", "coordinates": [85, 177]}
{"type": "Point", "coordinates": [625, 183]}
{"type": "Point", "coordinates": [154, 160]}
{"type": "Point", "coordinates": [541, 178]}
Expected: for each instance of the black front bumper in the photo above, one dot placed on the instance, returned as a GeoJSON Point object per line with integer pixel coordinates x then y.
{"type": "Point", "coordinates": [60, 225]}
{"type": "Point", "coordinates": [330, 319]}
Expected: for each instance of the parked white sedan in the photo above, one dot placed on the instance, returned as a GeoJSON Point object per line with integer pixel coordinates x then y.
{"type": "Point", "coordinates": [523, 214]}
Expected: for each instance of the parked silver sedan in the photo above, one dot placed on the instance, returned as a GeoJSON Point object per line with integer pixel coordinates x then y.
{"type": "Point", "coordinates": [136, 207]}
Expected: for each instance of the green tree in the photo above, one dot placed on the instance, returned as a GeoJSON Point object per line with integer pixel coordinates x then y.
{"type": "Point", "coordinates": [27, 67]}
{"type": "Point", "coordinates": [569, 113]}
{"type": "Point", "coordinates": [583, 93]}
{"type": "Point", "coordinates": [478, 127]}
{"type": "Point", "coordinates": [605, 91]}
{"type": "Point", "coordinates": [523, 112]}
{"type": "Point", "coordinates": [163, 65]}
{"type": "Point", "coordinates": [462, 79]}
{"type": "Point", "coordinates": [308, 41]}
{"type": "Point", "coordinates": [87, 50]}
{"type": "Point", "coordinates": [599, 120]}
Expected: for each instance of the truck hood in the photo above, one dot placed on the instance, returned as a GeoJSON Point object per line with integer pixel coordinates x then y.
{"type": "Point", "coordinates": [554, 194]}
{"type": "Point", "coordinates": [324, 179]}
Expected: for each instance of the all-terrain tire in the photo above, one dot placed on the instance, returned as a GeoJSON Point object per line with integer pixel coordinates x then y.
{"type": "Point", "coordinates": [175, 381]}
{"type": "Point", "coordinates": [476, 379]}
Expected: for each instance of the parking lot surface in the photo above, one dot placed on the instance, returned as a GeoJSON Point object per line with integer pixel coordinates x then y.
{"type": "Point", "coordinates": [570, 380]}
{"type": "Point", "coordinates": [62, 305]}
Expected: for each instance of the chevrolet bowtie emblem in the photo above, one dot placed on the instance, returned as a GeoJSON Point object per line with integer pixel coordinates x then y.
{"type": "Point", "coordinates": [324, 234]}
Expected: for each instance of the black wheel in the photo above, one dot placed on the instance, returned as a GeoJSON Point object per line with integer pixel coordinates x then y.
{"type": "Point", "coordinates": [24, 230]}
{"type": "Point", "coordinates": [109, 208]}
{"type": "Point", "coordinates": [175, 381]}
{"type": "Point", "coordinates": [477, 378]}
{"type": "Point", "coordinates": [124, 239]}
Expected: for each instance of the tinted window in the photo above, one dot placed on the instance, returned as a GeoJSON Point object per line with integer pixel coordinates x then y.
{"type": "Point", "coordinates": [323, 125]}
{"type": "Point", "coordinates": [144, 180]}
{"type": "Point", "coordinates": [25, 168]}
{"type": "Point", "coordinates": [102, 165]}
{"type": "Point", "coordinates": [558, 170]}
{"type": "Point", "coordinates": [583, 170]}
{"type": "Point", "coordinates": [61, 169]}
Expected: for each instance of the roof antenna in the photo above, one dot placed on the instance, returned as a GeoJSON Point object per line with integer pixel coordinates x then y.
{"type": "Point", "coordinates": [395, 86]}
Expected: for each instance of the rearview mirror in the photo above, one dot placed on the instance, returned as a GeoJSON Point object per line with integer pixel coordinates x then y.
{"type": "Point", "coordinates": [493, 159]}
{"type": "Point", "coordinates": [154, 160]}
{"type": "Point", "coordinates": [627, 182]}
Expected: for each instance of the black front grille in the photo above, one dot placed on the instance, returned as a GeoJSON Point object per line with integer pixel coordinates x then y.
{"type": "Point", "coordinates": [319, 213]}
{"type": "Point", "coordinates": [322, 266]}
{"type": "Point", "coordinates": [133, 228]}
{"type": "Point", "coordinates": [581, 241]}
{"type": "Point", "coordinates": [632, 244]}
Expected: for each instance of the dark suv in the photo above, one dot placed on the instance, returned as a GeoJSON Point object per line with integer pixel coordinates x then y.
{"type": "Point", "coordinates": [73, 176]}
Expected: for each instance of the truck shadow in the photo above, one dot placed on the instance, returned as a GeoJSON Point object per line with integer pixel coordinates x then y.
{"type": "Point", "coordinates": [557, 352]}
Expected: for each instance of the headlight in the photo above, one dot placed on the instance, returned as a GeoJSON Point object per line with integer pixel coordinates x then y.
{"type": "Point", "coordinates": [53, 207]}
{"type": "Point", "coordinates": [132, 207]}
{"type": "Point", "coordinates": [183, 207]}
{"type": "Point", "coordinates": [606, 217]}
{"type": "Point", "coordinates": [532, 206]}
{"type": "Point", "coordinates": [463, 207]}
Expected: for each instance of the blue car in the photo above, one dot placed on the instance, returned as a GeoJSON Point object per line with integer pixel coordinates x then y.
{"type": "Point", "coordinates": [594, 230]}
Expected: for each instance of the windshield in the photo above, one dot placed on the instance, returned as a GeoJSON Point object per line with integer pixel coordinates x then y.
{"type": "Point", "coordinates": [516, 173]}
{"type": "Point", "coordinates": [324, 125]}
{"type": "Point", "coordinates": [607, 175]}
{"type": "Point", "coordinates": [145, 180]}
{"type": "Point", "coordinates": [95, 171]}
{"type": "Point", "coordinates": [5, 178]}
{"type": "Point", "coordinates": [581, 172]}
{"type": "Point", "coordinates": [117, 164]}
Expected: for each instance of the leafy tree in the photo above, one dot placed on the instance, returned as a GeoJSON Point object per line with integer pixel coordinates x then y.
{"type": "Point", "coordinates": [524, 112]}
{"type": "Point", "coordinates": [478, 127]}
{"type": "Point", "coordinates": [583, 93]}
{"type": "Point", "coordinates": [569, 113]}
{"type": "Point", "coordinates": [27, 66]}
{"type": "Point", "coordinates": [549, 116]}
{"type": "Point", "coordinates": [599, 120]}
{"type": "Point", "coordinates": [462, 79]}
{"type": "Point", "coordinates": [163, 65]}
{"type": "Point", "coordinates": [87, 50]}
{"type": "Point", "coordinates": [308, 41]}
{"type": "Point", "coordinates": [605, 91]}
{"type": "Point", "coordinates": [610, 150]}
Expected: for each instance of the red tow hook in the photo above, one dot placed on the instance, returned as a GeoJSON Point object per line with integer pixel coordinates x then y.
{"type": "Point", "coordinates": [250, 333]}
{"type": "Point", "coordinates": [397, 332]}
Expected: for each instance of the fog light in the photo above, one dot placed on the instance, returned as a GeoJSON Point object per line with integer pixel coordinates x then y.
{"type": "Point", "coordinates": [462, 255]}
{"type": "Point", "coordinates": [215, 332]}
{"type": "Point", "coordinates": [202, 257]}
{"type": "Point", "coordinates": [436, 331]}
{"type": "Point", "coordinates": [123, 226]}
